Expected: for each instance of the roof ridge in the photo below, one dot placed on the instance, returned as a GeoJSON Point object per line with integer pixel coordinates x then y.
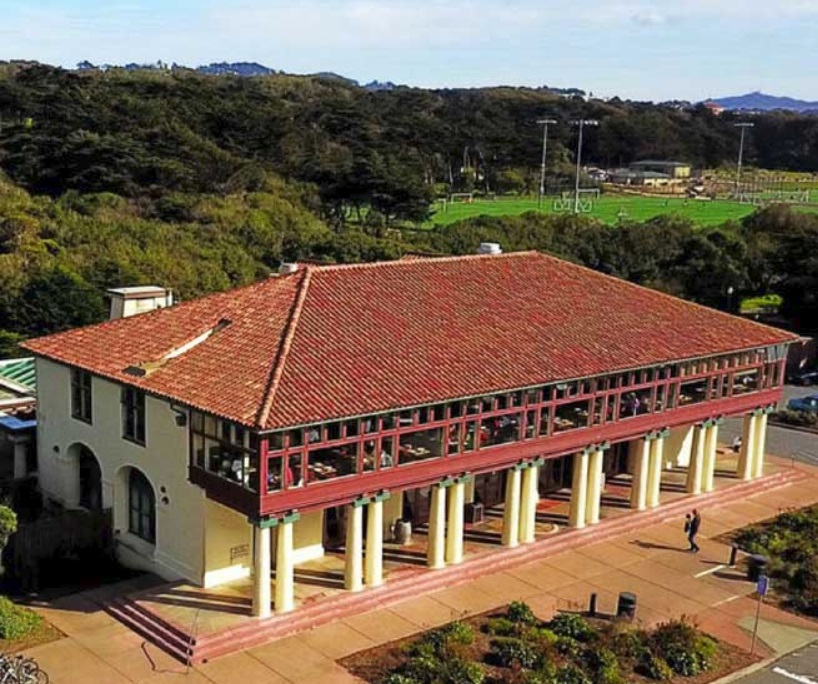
{"type": "Point", "coordinates": [437, 259]}
{"type": "Point", "coordinates": [277, 369]}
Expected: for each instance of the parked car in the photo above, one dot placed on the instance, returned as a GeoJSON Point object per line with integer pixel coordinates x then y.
{"type": "Point", "coordinates": [805, 377]}
{"type": "Point", "coordinates": [808, 403]}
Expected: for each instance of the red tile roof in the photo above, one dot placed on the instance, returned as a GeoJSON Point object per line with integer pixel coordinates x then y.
{"type": "Point", "coordinates": [336, 341]}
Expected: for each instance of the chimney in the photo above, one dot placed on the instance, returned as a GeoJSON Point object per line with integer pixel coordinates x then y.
{"type": "Point", "coordinates": [130, 301]}
{"type": "Point", "coordinates": [287, 268]}
{"type": "Point", "coordinates": [489, 248]}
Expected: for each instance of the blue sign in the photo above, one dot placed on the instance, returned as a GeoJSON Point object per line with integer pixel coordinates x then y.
{"type": "Point", "coordinates": [763, 585]}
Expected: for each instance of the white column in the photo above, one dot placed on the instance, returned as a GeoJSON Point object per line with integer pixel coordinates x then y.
{"type": "Point", "coordinates": [373, 569]}
{"type": "Point", "coordinates": [353, 552]}
{"type": "Point", "coordinates": [760, 445]}
{"type": "Point", "coordinates": [454, 533]}
{"type": "Point", "coordinates": [20, 469]}
{"type": "Point", "coordinates": [579, 491]}
{"type": "Point", "coordinates": [694, 470]}
{"type": "Point", "coordinates": [528, 506]}
{"type": "Point", "coordinates": [285, 568]}
{"type": "Point", "coordinates": [747, 454]}
{"type": "Point", "coordinates": [709, 473]}
{"type": "Point", "coordinates": [655, 468]}
{"type": "Point", "coordinates": [511, 510]}
{"type": "Point", "coordinates": [592, 504]}
{"type": "Point", "coordinates": [641, 470]}
{"type": "Point", "coordinates": [262, 597]}
{"type": "Point", "coordinates": [436, 539]}
{"type": "Point", "coordinates": [469, 495]}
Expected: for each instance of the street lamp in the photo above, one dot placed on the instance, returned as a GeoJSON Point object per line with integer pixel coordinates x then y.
{"type": "Point", "coordinates": [581, 123]}
{"type": "Point", "coordinates": [730, 292]}
{"type": "Point", "coordinates": [544, 123]}
{"type": "Point", "coordinates": [743, 125]}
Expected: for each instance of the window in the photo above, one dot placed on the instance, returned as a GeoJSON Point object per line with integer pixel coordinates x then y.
{"type": "Point", "coordinates": [133, 414]}
{"type": "Point", "coordinates": [81, 395]}
{"type": "Point", "coordinates": [142, 507]}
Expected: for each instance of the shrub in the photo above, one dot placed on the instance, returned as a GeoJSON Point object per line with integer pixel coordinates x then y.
{"type": "Point", "coordinates": [654, 667]}
{"type": "Point", "coordinates": [16, 621]}
{"type": "Point", "coordinates": [685, 650]}
{"type": "Point", "coordinates": [631, 643]}
{"type": "Point", "coordinates": [604, 665]}
{"type": "Point", "coordinates": [568, 647]}
{"type": "Point", "coordinates": [571, 674]}
{"type": "Point", "coordinates": [399, 678]}
{"type": "Point", "coordinates": [508, 651]}
{"type": "Point", "coordinates": [521, 613]}
{"type": "Point", "coordinates": [439, 641]}
{"type": "Point", "coordinates": [457, 633]}
{"type": "Point", "coordinates": [501, 627]}
{"type": "Point", "coordinates": [462, 671]}
{"type": "Point", "coordinates": [573, 626]}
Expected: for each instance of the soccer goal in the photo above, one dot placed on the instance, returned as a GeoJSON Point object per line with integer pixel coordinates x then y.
{"type": "Point", "coordinates": [461, 198]}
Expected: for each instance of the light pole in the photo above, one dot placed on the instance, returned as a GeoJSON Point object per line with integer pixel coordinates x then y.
{"type": "Point", "coordinates": [544, 123]}
{"type": "Point", "coordinates": [730, 291]}
{"type": "Point", "coordinates": [743, 125]}
{"type": "Point", "coordinates": [581, 123]}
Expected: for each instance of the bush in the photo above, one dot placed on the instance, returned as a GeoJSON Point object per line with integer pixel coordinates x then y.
{"type": "Point", "coordinates": [521, 613]}
{"type": "Point", "coordinates": [630, 644]}
{"type": "Point", "coordinates": [568, 647]}
{"type": "Point", "coordinates": [437, 642]}
{"type": "Point", "coordinates": [16, 621]}
{"type": "Point", "coordinates": [573, 626]}
{"type": "Point", "coordinates": [685, 650]}
{"type": "Point", "coordinates": [501, 627]}
{"type": "Point", "coordinates": [571, 674]}
{"type": "Point", "coordinates": [425, 669]}
{"type": "Point", "coordinates": [399, 678]}
{"type": "Point", "coordinates": [461, 671]}
{"type": "Point", "coordinates": [654, 667]}
{"type": "Point", "coordinates": [604, 664]}
{"type": "Point", "coordinates": [508, 651]}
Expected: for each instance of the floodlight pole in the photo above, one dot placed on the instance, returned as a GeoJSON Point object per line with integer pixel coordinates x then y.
{"type": "Point", "coordinates": [544, 123]}
{"type": "Point", "coordinates": [581, 123]}
{"type": "Point", "coordinates": [743, 125]}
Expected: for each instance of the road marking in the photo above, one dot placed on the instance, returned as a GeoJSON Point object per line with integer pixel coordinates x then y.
{"type": "Point", "coordinates": [802, 679]}
{"type": "Point", "coordinates": [728, 600]}
{"type": "Point", "coordinates": [710, 571]}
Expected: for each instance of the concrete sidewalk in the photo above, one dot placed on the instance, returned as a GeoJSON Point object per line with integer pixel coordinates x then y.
{"type": "Point", "coordinates": [668, 582]}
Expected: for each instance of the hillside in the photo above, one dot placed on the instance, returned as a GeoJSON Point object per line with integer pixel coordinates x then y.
{"type": "Point", "coordinates": [761, 102]}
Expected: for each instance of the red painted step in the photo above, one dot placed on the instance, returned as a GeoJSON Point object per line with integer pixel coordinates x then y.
{"type": "Point", "coordinates": [176, 641]}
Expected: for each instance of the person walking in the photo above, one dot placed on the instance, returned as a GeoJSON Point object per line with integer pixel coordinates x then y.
{"type": "Point", "coordinates": [693, 530]}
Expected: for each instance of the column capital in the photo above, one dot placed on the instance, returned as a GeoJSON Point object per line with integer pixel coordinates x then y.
{"type": "Point", "coordinates": [383, 495]}
{"type": "Point", "coordinates": [601, 446]}
{"type": "Point", "coordinates": [360, 501]}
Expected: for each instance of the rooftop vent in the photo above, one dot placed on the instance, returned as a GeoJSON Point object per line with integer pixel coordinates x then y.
{"type": "Point", "coordinates": [489, 248]}
{"type": "Point", "coordinates": [129, 301]}
{"type": "Point", "coordinates": [287, 268]}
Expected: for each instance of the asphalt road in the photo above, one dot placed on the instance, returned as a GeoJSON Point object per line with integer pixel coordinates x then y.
{"type": "Point", "coordinates": [802, 446]}
{"type": "Point", "coordinates": [800, 667]}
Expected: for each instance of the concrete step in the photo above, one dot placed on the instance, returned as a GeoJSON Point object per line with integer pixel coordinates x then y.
{"type": "Point", "coordinates": [151, 629]}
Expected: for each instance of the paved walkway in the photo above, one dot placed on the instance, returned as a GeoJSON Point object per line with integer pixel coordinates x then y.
{"type": "Point", "coordinates": [653, 564]}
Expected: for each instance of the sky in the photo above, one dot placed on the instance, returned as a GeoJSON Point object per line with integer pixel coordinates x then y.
{"type": "Point", "coordinates": [637, 49]}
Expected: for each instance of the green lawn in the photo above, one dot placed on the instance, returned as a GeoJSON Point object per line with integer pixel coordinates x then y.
{"type": "Point", "coordinates": [606, 209]}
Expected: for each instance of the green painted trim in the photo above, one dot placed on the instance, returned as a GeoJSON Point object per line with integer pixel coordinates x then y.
{"type": "Point", "coordinates": [445, 482]}
{"type": "Point", "coordinates": [464, 478]}
{"type": "Point", "coordinates": [769, 409]}
{"type": "Point", "coordinates": [291, 518]}
{"type": "Point", "coordinates": [360, 502]}
{"type": "Point", "coordinates": [718, 421]}
{"type": "Point", "coordinates": [381, 496]}
{"type": "Point", "coordinates": [264, 523]}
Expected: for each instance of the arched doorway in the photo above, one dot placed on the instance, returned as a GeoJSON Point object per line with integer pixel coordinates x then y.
{"type": "Point", "coordinates": [90, 479]}
{"type": "Point", "coordinates": [141, 506]}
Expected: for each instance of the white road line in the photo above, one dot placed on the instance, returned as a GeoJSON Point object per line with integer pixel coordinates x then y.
{"type": "Point", "coordinates": [710, 571]}
{"type": "Point", "coordinates": [802, 679]}
{"type": "Point", "coordinates": [727, 600]}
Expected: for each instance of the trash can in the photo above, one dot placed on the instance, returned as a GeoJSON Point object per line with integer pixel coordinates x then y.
{"type": "Point", "coordinates": [403, 532]}
{"type": "Point", "coordinates": [756, 566]}
{"type": "Point", "coordinates": [626, 605]}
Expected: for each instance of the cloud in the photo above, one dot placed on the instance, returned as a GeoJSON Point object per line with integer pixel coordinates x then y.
{"type": "Point", "coordinates": [648, 18]}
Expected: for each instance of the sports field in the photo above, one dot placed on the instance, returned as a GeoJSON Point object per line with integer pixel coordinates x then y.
{"type": "Point", "coordinates": [609, 209]}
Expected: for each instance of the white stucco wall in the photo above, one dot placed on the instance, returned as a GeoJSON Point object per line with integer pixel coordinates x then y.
{"type": "Point", "coordinates": [228, 545]}
{"type": "Point", "coordinates": [678, 445]}
{"type": "Point", "coordinates": [179, 549]}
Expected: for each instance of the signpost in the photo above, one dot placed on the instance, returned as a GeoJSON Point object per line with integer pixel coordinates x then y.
{"type": "Point", "coordinates": [762, 586]}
